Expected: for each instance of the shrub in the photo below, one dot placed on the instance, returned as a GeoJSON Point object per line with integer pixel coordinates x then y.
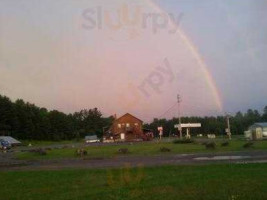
{"type": "Point", "coordinates": [41, 152]}
{"type": "Point", "coordinates": [210, 145]}
{"type": "Point", "coordinates": [123, 150]}
{"type": "Point", "coordinates": [81, 152]}
{"type": "Point", "coordinates": [248, 145]}
{"type": "Point", "coordinates": [164, 149]}
{"type": "Point", "coordinates": [183, 141]}
{"type": "Point", "coordinates": [225, 144]}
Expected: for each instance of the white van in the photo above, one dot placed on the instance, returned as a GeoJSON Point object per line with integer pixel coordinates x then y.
{"type": "Point", "coordinates": [91, 139]}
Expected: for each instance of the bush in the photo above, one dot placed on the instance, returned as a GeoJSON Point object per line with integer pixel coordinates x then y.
{"type": "Point", "coordinates": [41, 152]}
{"type": "Point", "coordinates": [81, 152]}
{"type": "Point", "coordinates": [248, 145]}
{"type": "Point", "coordinates": [164, 149]}
{"type": "Point", "coordinates": [183, 141]}
{"type": "Point", "coordinates": [123, 150]}
{"type": "Point", "coordinates": [225, 144]}
{"type": "Point", "coordinates": [210, 145]}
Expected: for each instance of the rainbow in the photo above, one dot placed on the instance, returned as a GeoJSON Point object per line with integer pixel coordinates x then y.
{"type": "Point", "coordinates": [203, 66]}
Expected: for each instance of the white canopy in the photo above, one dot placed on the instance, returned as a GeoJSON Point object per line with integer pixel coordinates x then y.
{"type": "Point", "coordinates": [10, 140]}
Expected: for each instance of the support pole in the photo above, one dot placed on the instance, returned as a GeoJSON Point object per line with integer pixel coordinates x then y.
{"type": "Point", "coordinates": [228, 126]}
{"type": "Point", "coordinates": [179, 116]}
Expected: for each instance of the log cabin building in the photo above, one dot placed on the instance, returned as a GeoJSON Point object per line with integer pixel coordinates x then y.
{"type": "Point", "coordinates": [126, 128]}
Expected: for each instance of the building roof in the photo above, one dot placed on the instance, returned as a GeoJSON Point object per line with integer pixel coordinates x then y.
{"type": "Point", "coordinates": [130, 115]}
{"type": "Point", "coordinates": [10, 140]}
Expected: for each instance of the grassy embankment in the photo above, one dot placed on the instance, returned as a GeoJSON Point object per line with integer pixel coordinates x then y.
{"type": "Point", "coordinates": [143, 149]}
{"type": "Point", "coordinates": [40, 143]}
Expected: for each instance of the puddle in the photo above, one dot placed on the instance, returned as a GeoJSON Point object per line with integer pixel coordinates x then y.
{"type": "Point", "coordinates": [182, 155]}
{"type": "Point", "coordinates": [222, 158]}
{"type": "Point", "coordinates": [254, 161]}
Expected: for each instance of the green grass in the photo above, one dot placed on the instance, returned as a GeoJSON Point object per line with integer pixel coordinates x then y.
{"type": "Point", "coordinates": [143, 149]}
{"type": "Point", "coordinates": [39, 143]}
{"type": "Point", "coordinates": [206, 182]}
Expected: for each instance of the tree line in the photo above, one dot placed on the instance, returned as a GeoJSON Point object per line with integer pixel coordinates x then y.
{"type": "Point", "coordinates": [24, 120]}
{"type": "Point", "coordinates": [211, 125]}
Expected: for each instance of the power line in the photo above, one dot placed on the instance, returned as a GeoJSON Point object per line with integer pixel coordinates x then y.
{"type": "Point", "coordinates": [167, 111]}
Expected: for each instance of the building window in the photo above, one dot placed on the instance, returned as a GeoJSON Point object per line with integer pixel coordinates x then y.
{"type": "Point", "coordinates": [119, 125]}
{"type": "Point", "coordinates": [136, 124]}
{"type": "Point", "coordinates": [127, 125]}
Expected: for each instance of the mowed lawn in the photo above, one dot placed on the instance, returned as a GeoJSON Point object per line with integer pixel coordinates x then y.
{"type": "Point", "coordinates": [207, 182]}
{"type": "Point", "coordinates": [142, 149]}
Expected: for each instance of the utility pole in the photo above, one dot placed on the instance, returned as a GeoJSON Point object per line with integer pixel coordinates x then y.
{"type": "Point", "coordinates": [179, 115]}
{"type": "Point", "coordinates": [228, 130]}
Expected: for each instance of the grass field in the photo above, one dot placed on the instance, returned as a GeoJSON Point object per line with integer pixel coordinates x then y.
{"type": "Point", "coordinates": [40, 143]}
{"type": "Point", "coordinates": [206, 182]}
{"type": "Point", "coordinates": [143, 149]}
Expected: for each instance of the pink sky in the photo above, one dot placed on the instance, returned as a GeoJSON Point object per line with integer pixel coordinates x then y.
{"type": "Point", "coordinates": [58, 64]}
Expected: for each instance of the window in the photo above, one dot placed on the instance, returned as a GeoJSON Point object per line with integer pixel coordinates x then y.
{"type": "Point", "coordinates": [127, 125]}
{"type": "Point", "coordinates": [119, 125]}
{"type": "Point", "coordinates": [136, 124]}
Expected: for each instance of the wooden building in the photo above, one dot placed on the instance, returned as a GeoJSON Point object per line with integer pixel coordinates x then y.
{"type": "Point", "coordinates": [126, 128]}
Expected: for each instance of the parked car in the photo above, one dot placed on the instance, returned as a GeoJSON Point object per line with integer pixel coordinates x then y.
{"type": "Point", "coordinates": [4, 145]}
{"type": "Point", "coordinates": [91, 139]}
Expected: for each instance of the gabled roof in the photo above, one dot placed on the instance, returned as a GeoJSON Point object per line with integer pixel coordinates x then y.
{"type": "Point", "coordinates": [130, 115]}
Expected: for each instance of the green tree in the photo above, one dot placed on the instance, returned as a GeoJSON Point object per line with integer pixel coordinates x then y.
{"type": "Point", "coordinates": [61, 125]}
{"type": "Point", "coordinates": [7, 116]}
{"type": "Point", "coordinates": [264, 116]}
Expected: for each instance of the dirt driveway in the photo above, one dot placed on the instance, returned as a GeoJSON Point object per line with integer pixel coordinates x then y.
{"type": "Point", "coordinates": [7, 162]}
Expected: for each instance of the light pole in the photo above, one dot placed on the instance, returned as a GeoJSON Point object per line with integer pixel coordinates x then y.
{"type": "Point", "coordinates": [228, 129]}
{"type": "Point", "coordinates": [179, 116]}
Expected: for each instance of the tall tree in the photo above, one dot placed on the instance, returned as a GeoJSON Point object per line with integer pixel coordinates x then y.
{"type": "Point", "coordinates": [264, 116]}
{"type": "Point", "coordinates": [7, 115]}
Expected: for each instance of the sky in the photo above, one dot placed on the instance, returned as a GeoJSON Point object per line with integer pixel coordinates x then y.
{"type": "Point", "coordinates": [135, 56]}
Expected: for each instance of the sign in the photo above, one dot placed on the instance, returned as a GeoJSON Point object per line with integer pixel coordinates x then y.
{"type": "Point", "coordinates": [160, 128]}
{"type": "Point", "coordinates": [189, 125]}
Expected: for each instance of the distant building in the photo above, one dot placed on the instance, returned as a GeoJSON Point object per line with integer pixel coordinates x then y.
{"type": "Point", "coordinates": [126, 128]}
{"type": "Point", "coordinates": [256, 131]}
